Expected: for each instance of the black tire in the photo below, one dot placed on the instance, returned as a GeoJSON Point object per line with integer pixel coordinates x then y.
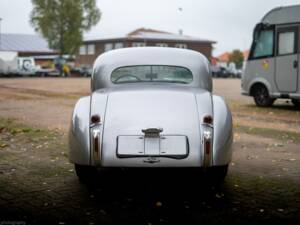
{"type": "Point", "coordinates": [296, 102]}
{"type": "Point", "coordinates": [261, 96]}
{"type": "Point", "coordinates": [217, 174]}
{"type": "Point", "coordinates": [85, 173]}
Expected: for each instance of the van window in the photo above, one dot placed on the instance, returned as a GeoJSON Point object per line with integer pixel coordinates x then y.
{"type": "Point", "coordinates": [264, 44]}
{"type": "Point", "coordinates": [286, 43]}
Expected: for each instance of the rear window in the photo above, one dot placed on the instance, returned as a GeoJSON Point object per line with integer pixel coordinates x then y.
{"type": "Point", "coordinates": [136, 74]}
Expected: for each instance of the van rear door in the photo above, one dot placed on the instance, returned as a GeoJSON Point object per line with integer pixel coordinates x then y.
{"type": "Point", "coordinates": [287, 61]}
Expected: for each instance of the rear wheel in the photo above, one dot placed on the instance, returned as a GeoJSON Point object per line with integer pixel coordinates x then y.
{"type": "Point", "coordinates": [85, 173]}
{"type": "Point", "coordinates": [217, 174]}
{"type": "Point", "coordinates": [296, 102]}
{"type": "Point", "coordinates": [261, 96]}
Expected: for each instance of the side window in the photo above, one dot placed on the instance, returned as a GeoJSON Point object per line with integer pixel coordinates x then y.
{"type": "Point", "coordinates": [119, 45]}
{"type": "Point", "coordinates": [108, 47]}
{"type": "Point", "coordinates": [161, 44]}
{"type": "Point", "coordinates": [264, 44]}
{"type": "Point", "coordinates": [181, 46]}
{"type": "Point", "coordinates": [286, 43]}
{"type": "Point", "coordinates": [91, 49]}
{"type": "Point", "coordinates": [138, 44]}
{"type": "Point", "coordinates": [82, 50]}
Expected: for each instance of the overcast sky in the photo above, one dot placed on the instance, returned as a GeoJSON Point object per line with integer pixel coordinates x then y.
{"type": "Point", "coordinates": [229, 22]}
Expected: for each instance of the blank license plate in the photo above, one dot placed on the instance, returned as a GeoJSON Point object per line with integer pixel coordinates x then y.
{"type": "Point", "coordinates": [165, 146]}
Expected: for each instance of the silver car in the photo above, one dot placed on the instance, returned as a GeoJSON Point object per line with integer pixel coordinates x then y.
{"type": "Point", "coordinates": [151, 107]}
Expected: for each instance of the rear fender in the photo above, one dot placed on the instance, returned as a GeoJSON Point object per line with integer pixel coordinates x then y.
{"type": "Point", "coordinates": [223, 134]}
{"type": "Point", "coordinates": [79, 134]}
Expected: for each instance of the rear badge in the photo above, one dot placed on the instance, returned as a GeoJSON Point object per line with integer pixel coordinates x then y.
{"type": "Point", "coordinates": [151, 160]}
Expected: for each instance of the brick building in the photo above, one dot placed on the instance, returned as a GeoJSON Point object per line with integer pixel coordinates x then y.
{"type": "Point", "coordinates": [142, 37]}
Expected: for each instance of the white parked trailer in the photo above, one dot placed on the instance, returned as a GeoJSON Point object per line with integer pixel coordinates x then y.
{"type": "Point", "coordinates": [8, 62]}
{"type": "Point", "coordinates": [11, 64]}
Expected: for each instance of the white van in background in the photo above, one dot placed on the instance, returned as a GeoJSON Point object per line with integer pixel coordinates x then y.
{"type": "Point", "coordinates": [272, 70]}
{"type": "Point", "coordinates": [26, 66]}
{"type": "Point", "coordinates": [12, 65]}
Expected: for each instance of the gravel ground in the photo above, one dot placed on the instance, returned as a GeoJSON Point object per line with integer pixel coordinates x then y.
{"type": "Point", "coordinates": [38, 185]}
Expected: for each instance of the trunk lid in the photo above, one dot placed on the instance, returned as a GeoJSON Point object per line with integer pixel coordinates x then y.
{"type": "Point", "coordinates": [175, 110]}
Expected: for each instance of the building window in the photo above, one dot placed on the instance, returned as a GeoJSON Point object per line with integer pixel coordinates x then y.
{"type": "Point", "coordinates": [119, 45]}
{"type": "Point", "coordinates": [108, 47]}
{"type": "Point", "coordinates": [82, 50]}
{"type": "Point", "coordinates": [91, 49]}
{"type": "Point", "coordinates": [162, 45]}
{"type": "Point", "coordinates": [181, 46]}
{"type": "Point", "coordinates": [138, 44]}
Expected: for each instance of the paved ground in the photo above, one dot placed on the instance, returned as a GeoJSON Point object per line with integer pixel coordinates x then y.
{"type": "Point", "coordinates": [38, 185]}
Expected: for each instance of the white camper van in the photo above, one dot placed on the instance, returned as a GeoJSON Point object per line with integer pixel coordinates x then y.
{"type": "Point", "coordinates": [272, 70]}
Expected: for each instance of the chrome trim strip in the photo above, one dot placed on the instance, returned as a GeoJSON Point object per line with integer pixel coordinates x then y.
{"type": "Point", "coordinates": [207, 142]}
{"type": "Point", "coordinates": [96, 146]}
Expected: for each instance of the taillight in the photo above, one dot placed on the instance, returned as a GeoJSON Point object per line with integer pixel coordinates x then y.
{"type": "Point", "coordinates": [95, 119]}
{"type": "Point", "coordinates": [208, 120]}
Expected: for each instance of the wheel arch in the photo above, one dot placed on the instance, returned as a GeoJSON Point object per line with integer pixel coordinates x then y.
{"type": "Point", "coordinates": [258, 82]}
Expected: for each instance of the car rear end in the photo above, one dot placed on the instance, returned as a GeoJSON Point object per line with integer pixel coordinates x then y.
{"type": "Point", "coordinates": [153, 127]}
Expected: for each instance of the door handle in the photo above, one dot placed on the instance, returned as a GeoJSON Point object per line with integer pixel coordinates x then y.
{"type": "Point", "coordinates": [295, 64]}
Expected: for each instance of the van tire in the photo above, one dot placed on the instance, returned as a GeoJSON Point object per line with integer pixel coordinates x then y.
{"type": "Point", "coordinates": [261, 96]}
{"type": "Point", "coordinates": [296, 102]}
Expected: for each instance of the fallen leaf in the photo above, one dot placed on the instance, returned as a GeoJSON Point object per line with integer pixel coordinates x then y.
{"type": "Point", "coordinates": [218, 196]}
{"type": "Point", "coordinates": [3, 145]}
{"type": "Point", "coordinates": [158, 204]}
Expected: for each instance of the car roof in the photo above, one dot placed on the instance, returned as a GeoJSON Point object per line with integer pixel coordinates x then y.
{"type": "Point", "coordinates": [106, 63]}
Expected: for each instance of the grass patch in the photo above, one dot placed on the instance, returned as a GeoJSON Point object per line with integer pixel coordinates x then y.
{"type": "Point", "coordinates": [269, 133]}
{"type": "Point", "coordinates": [15, 128]}
{"type": "Point", "coordinates": [276, 109]}
{"type": "Point", "coordinates": [48, 171]}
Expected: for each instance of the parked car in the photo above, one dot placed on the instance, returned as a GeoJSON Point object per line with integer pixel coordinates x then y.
{"type": "Point", "coordinates": [239, 73]}
{"type": "Point", "coordinates": [85, 71]}
{"type": "Point", "coordinates": [223, 72]}
{"type": "Point", "coordinates": [47, 72]}
{"type": "Point", "coordinates": [151, 107]}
